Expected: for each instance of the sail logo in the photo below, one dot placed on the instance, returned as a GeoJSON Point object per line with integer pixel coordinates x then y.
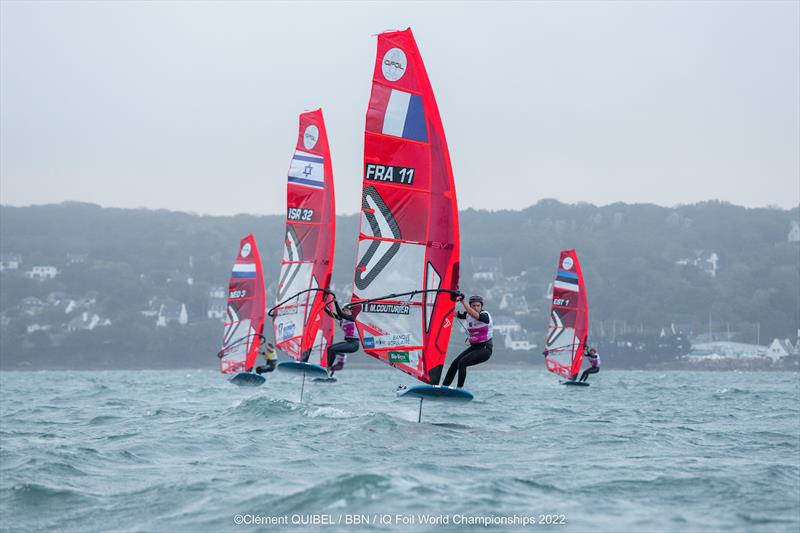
{"type": "Point", "coordinates": [310, 137]}
{"type": "Point", "coordinates": [394, 64]}
{"type": "Point", "coordinates": [567, 263]}
{"type": "Point", "coordinates": [288, 310]}
{"type": "Point", "coordinates": [286, 331]}
{"type": "Point", "coordinates": [399, 357]}
{"type": "Point", "coordinates": [246, 249]}
{"type": "Point", "coordinates": [390, 309]}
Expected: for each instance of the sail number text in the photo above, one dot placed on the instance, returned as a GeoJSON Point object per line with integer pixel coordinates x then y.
{"type": "Point", "coordinates": [301, 215]}
{"type": "Point", "coordinates": [400, 175]}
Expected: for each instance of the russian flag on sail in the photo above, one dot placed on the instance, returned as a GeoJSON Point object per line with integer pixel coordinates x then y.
{"type": "Point", "coordinates": [242, 270]}
{"type": "Point", "coordinates": [307, 169]}
{"type": "Point", "coordinates": [396, 113]}
{"type": "Point", "coordinates": [567, 281]}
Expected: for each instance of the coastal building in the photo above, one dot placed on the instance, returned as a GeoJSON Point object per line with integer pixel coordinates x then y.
{"type": "Point", "coordinates": [705, 351]}
{"type": "Point", "coordinates": [87, 321]}
{"type": "Point", "coordinates": [780, 348]}
{"type": "Point", "coordinates": [519, 341]}
{"type": "Point", "coordinates": [794, 232]}
{"type": "Point", "coordinates": [505, 324]}
{"type": "Point", "coordinates": [42, 272]}
{"type": "Point", "coordinates": [32, 328]}
{"type": "Point", "coordinates": [31, 305]}
{"type": "Point", "coordinates": [9, 261]}
{"type": "Point", "coordinates": [486, 268]}
{"type": "Point", "coordinates": [516, 304]}
{"type": "Point", "coordinates": [76, 259]}
{"type": "Point", "coordinates": [705, 261]}
{"type": "Point", "coordinates": [217, 303]}
{"type": "Point", "coordinates": [172, 313]}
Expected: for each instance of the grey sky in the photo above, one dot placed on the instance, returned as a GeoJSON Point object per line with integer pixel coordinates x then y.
{"type": "Point", "coordinates": [193, 106]}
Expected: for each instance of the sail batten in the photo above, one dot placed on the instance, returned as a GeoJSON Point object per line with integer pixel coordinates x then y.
{"type": "Point", "coordinates": [301, 327]}
{"type": "Point", "coordinates": [408, 253]}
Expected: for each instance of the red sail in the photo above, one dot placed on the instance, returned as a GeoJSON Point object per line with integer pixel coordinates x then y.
{"type": "Point", "coordinates": [569, 318]}
{"type": "Point", "coordinates": [408, 250]}
{"type": "Point", "coordinates": [245, 311]}
{"type": "Point", "coordinates": [299, 321]}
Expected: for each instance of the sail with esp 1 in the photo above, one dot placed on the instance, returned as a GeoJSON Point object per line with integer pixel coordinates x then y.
{"type": "Point", "coordinates": [565, 342]}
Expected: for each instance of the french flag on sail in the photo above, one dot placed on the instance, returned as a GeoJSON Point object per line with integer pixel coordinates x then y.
{"type": "Point", "coordinates": [396, 113]}
{"type": "Point", "coordinates": [242, 270]}
{"type": "Point", "coordinates": [307, 169]}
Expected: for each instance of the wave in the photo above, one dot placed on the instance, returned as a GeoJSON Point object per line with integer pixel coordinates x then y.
{"type": "Point", "coordinates": [349, 490]}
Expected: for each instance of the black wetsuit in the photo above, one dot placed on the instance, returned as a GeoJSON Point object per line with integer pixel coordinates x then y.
{"type": "Point", "coordinates": [594, 369]}
{"type": "Point", "coordinates": [350, 344]}
{"type": "Point", "coordinates": [269, 367]}
{"type": "Point", "coordinates": [474, 355]}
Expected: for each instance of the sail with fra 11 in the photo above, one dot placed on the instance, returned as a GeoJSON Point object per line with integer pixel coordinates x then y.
{"type": "Point", "coordinates": [407, 264]}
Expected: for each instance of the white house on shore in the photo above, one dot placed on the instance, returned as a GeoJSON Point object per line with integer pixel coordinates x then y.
{"type": "Point", "coordinates": [42, 272]}
{"type": "Point", "coordinates": [780, 348]}
{"type": "Point", "coordinates": [172, 312]}
{"type": "Point", "coordinates": [217, 303]}
{"type": "Point", "coordinates": [514, 303]}
{"type": "Point", "coordinates": [486, 268]}
{"type": "Point", "coordinates": [504, 324]}
{"type": "Point", "coordinates": [87, 321]}
{"type": "Point", "coordinates": [519, 341]}
{"type": "Point", "coordinates": [10, 262]}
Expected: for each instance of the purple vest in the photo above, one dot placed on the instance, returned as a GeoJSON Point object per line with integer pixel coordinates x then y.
{"type": "Point", "coordinates": [479, 332]}
{"type": "Point", "coordinates": [349, 328]}
{"type": "Point", "coordinates": [595, 361]}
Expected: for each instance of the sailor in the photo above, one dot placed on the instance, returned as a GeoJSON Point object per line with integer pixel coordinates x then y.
{"type": "Point", "coordinates": [271, 358]}
{"type": "Point", "coordinates": [337, 353]}
{"type": "Point", "coordinates": [479, 327]}
{"type": "Point", "coordinates": [594, 362]}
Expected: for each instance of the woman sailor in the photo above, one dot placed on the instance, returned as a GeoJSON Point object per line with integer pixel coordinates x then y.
{"type": "Point", "coordinates": [337, 353]}
{"type": "Point", "coordinates": [479, 327]}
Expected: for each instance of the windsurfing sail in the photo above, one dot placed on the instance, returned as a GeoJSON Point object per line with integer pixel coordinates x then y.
{"type": "Point", "coordinates": [565, 342]}
{"type": "Point", "coordinates": [407, 263]}
{"type": "Point", "coordinates": [298, 319]}
{"type": "Point", "coordinates": [245, 311]}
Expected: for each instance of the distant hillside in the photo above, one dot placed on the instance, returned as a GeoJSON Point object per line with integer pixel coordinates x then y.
{"type": "Point", "coordinates": [646, 267]}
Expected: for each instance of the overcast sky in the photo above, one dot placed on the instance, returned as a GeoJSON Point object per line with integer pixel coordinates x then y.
{"type": "Point", "coordinates": [193, 106]}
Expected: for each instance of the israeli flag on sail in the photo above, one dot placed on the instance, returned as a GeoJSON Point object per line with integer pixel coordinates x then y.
{"type": "Point", "coordinates": [307, 169]}
{"type": "Point", "coordinates": [242, 270]}
{"type": "Point", "coordinates": [396, 113]}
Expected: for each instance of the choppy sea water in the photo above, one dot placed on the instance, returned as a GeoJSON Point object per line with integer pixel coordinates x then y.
{"type": "Point", "coordinates": [186, 451]}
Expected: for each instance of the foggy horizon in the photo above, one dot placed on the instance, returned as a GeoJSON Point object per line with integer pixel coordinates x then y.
{"type": "Point", "coordinates": [193, 107]}
{"type": "Point", "coordinates": [354, 213]}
